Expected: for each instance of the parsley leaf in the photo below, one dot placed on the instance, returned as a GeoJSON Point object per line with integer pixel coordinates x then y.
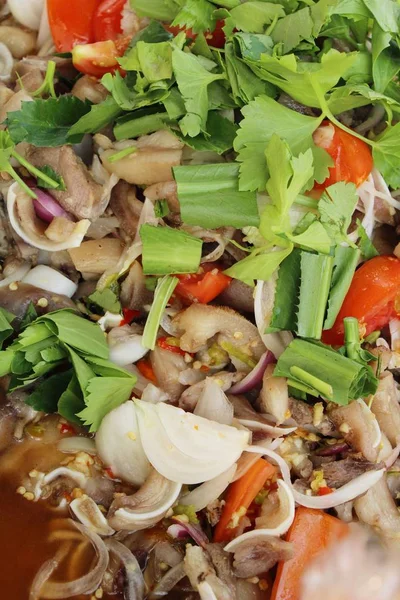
{"type": "Point", "coordinates": [50, 172]}
{"type": "Point", "coordinates": [47, 122]}
{"type": "Point", "coordinates": [386, 153]}
{"type": "Point", "coordinates": [105, 299]}
{"type": "Point", "coordinates": [103, 395]}
{"type": "Point", "coordinates": [367, 248]}
{"type": "Point", "coordinates": [197, 15]}
{"type": "Point", "coordinates": [99, 116]}
{"type": "Point", "coordinates": [336, 207]}
{"type": "Point", "coordinates": [253, 17]}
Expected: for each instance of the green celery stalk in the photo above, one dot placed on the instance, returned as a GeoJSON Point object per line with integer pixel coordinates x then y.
{"type": "Point", "coordinates": [316, 271]}
{"type": "Point", "coordinates": [163, 293]}
{"type": "Point", "coordinates": [344, 266]}
{"type": "Point", "coordinates": [167, 251]}
{"type": "Point", "coordinates": [287, 290]}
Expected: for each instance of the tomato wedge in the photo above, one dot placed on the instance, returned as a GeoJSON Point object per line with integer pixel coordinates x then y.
{"type": "Point", "coordinates": [202, 287]}
{"type": "Point", "coordinates": [371, 298]}
{"type": "Point", "coordinates": [214, 38]}
{"type": "Point", "coordinates": [71, 22]}
{"type": "Point", "coordinates": [99, 58]}
{"type": "Point", "coordinates": [311, 532]}
{"type": "Point", "coordinates": [107, 20]}
{"type": "Point", "coordinates": [239, 496]}
{"type": "Point", "coordinates": [352, 157]}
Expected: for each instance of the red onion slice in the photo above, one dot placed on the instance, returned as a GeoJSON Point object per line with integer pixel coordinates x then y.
{"type": "Point", "coordinates": [180, 530]}
{"type": "Point", "coordinates": [46, 207]}
{"type": "Point", "coordinates": [255, 376]}
{"type": "Point", "coordinates": [135, 588]}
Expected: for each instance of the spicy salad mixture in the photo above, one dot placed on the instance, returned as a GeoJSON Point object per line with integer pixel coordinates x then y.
{"type": "Point", "coordinates": [200, 310]}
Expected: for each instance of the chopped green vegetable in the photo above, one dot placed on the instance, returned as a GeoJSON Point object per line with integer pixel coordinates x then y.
{"type": "Point", "coordinates": [316, 271]}
{"type": "Point", "coordinates": [167, 251]}
{"type": "Point", "coordinates": [47, 87]}
{"type": "Point", "coordinates": [46, 395]}
{"type": "Point", "coordinates": [161, 208]}
{"type": "Point", "coordinates": [319, 370]}
{"type": "Point", "coordinates": [103, 394]}
{"type": "Point", "coordinates": [106, 300]}
{"type": "Point", "coordinates": [56, 177]}
{"type": "Point", "coordinates": [352, 342]}
{"type": "Point", "coordinates": [336, 207]}
{"type": "Point", "coordinates": [367, 248]}
{"type": "Point", "coordinates": [122, 154]}
{"type": "Point", "coordinates": [209, 197]}
{"type": "Point", "coordinates": [99, 116]}
{"type": "Point", "coordinates": [344, 266]}
{"type": "Point", "coordinates": [6, 329]}
{"type": "Point", "coordinates": [163, 293]}
{"type": "Point", "coordinates": [284, 317]}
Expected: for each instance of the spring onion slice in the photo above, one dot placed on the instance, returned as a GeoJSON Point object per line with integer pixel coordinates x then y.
{"type": "Point", "coordinates": [316, 270]}
{"type": "Point", "coordinates": [163, 293]}
{"type": "Point", "coordinates": [167, 251]}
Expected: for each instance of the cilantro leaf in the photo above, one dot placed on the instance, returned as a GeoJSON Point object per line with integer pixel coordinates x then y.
{"type": "Point", "coordinates": [252, 17]}
{"type": "Point", "coordinates": [71, 402]}
{"type": "Point", "coordinates": [132, 91]}
{"type": "Point", "coordinates": [220, 135]}
{"type": "Point", "coordinates": [105, 299]}
{"type": "Point", "coordinates": [293, 28]}
{"type": "Point", "coordinates": [197, 15]}
{"type": "Point", "coordinates": [47, 394]}
{"type": "Point", "coordinates": [161, 10]}
{"type": "Point", "coordinates": [336, 207]}
{"type": "Point", "coordinates": [6, 329]}
{"type": "Point", "coordinates": [263, 117]}
{"type": "Point", "coordinates": [103, 395]}
{"type": "Point", "coordinates": [386, 13]}
{"type": "Point", "coordinates": [153, 60]}
{"type": "Point", "coordinates": [193, 80]}
{"type": "Point", "coordinates": [99, 116]}
{"type": "Point", "coordinates": [47, 122]}
{"type": "Point", "coordinates": [244, 82]}
{"type": "Point", "coordinates": [29, 316]}
{"type": "Point", "coordinates": [259, 265]}
{"type": "Point", "coordinates": [367, 248]}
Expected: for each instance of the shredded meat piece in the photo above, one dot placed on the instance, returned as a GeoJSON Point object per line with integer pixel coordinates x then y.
{"type": "Point", "coordinates": [386, 408]}
{"type": "Point", "coordinates": [134, 293]}
{"type": "Point", "coordinates": [302, 413]}
{"type": "Point", "coordinates": [357, 429]}
{"type": "Point", "coordinates": [254, 557]}
{"type": "Point", "coordinates": [222, 564]}
{"type": "Point", "coordinates": [83, 195]}
{"type": "Point", "coordinates": [340, 472]}
{"type": "Point", "coordinates": [126, 207]}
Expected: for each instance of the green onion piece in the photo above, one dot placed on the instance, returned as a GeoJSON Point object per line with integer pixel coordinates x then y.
{"type": "Point", "coordinates": [163, 293]}
{"type": "Point", "coordinates": [47, 86]}
{"type": "Point", "coordinates": [36, 172]}
{"type": "Point", "coordinates": [167, 251]}
{"type": "Point", "coordinates": [343, 378]}
{"type": "Point", "coordinates": [344, 266]}
{"type": "Point", "coordinates": [122, 154]}
{"type": "Point", "coordinates": [316, 271]}
{"type": "Point", "coordinates": [313, 382]}
{"type": "Point", "coordinates": [352, 337]}
{"type": "Point", "coordinates": [372, 337]}
{"type": "Point", "coordinates": [287, 290]}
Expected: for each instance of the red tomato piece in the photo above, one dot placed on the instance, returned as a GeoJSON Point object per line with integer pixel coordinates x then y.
{"type": "Point", "coordinates": [99, 58]}
{"type": "Point", "coordinates": [170, 343]}
{"type": "Point", "coordinates": [145, 368]}
{"type": "Point", "coordinates": [352, 157]}
{"type": "Point", "coordinates": [107, 20]}
{"type": "Point", "coordinates": [129, 315]}
{"type": "Point", "coordinates": [371, 298]}
{"type": "Point", "coordinates": [202, 287]}
{"type": "Point", "coordinates": [71, 22]}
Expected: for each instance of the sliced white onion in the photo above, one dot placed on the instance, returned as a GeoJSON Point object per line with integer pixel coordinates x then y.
{"type": "Point", "coordinates": [110, 320]}
{"type": "Point", "coordinates": [255, 376]}
{"type": "Point", "coordinates": [89, 514]}
{"type": "Point", "coordinates": [373, 421]}
{"type": "Point", "coordinates": [366, 195]}
{"type": "Point", "coordinates": [16, 276]}
{"type": "Point", "coordinates": [184, 447]}
{"type": "Point", "coordinates": [41, 241]}
{"type": "Point", "coordinates": [347, 492]}
{"type": "Point", "coordinates": [27, 12]}
{"type": "Point", "coordinates": [119, 445]}
{"type": "Point", "coordinates": [74, 444]}
{"type": "Point", "coordinates": [76, 476]}
{"type": "Point", "coordinates": [135, 586]}
{"type": "Point", "coordinates": [128, 350]}
{"type": "Point", "coordinates": [264, 426]}
{"type": "Point", "coordinates": [45, 572]}
{"type": "Point", "coordinates": [394, 327]}
{"type": "Point", "coordinates": [263, 307]}
{"type": "Point", "coordinates": [49, 279]}
{"type": "Point", "coordinates": [6, 63]}
{"type": "Point", "coordinates": [213, 404]}
{"type": "Point", "coordinates": [168, 582]}
{"type": "Point", "coordinates": [209, 491]}
{"type": "Point", "coordinates": [286, 496]}
{"type": "Point", "coordinates": [86, 584]}
{"type": "Point", "coordinates": [44, 34]}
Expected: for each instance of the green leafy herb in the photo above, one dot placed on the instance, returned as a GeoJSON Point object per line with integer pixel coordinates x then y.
{"type": "Point", "coordinates": [162, 10]}
{"type": "Point", "coordinates": [367, 248]}
{"type": "Point", "coordinates": [99, 116]}
{"type": "Point", "coordinates": [336, 207]}
{"type": "Point", "coordinates": [46, 395]}
{"type": "Point", "coordinates": [29, 316]}
{"type": "Point", "coordinates": [254, 16]}
{"type": "Point", "coordinates": [209, 196]}
{"type": "Point", "coordinates": [220, 135]}
{"type": "Point", "coordinates": [353, 347]}
{"type": "Point", "coordinates": [284, 314]}
{"type": "Point", "coordinates": [260, 264]}
{"type": "Point", "coordinates": [56, 177]}
{"type": "Point", "coordinates": [105, 299]}
{"type": "Point", "coordinates": [153, 60]}
{"type": "Point", "coordinates": [6, 329]}
{"type": "Point", "coordinates": [319, 370]}
{"type": "Point", "coordinates": [162, 295]}
{"type": "Point", "coordinates": [167, 250]}
{"type": "Point", "coordinates": [197, 15]}
{"type": "Point", "coordinates": [386, 153]}
{"type": "Point", "coordinates": [103, 394]}
{"type": "Point", "coordinates": [47, 122]}
{"type": "Point", "coordinates": [47, 87]}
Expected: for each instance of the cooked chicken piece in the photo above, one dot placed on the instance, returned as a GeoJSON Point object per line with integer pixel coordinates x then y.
{"type": "Point", "coordinates": [357, 429]}
{"type": "Point", "coordinates": [83, 197]}
{"type": "Point", "coordinates": [152, 161]}
{"type": "Point", "coordinates": [378, 509]}
{"type": "Point", "coordinates": [126, 207]}
{"type": "Point", "coordinates": [96, 256]}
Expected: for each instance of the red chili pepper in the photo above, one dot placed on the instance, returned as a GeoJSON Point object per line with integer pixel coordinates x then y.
{"type": "Point", "coordinates": [145, 368]}
{"type": "Point", "coordinates": [324, 491]}
{"type": "Point", "coordinates": [129, 315]}
{"type": "Point", "coordinates": [67, 428]}
{"type": "Point", "coordinates": [170, 343]}
{"type": "Point", "coordinates": [109, 473]}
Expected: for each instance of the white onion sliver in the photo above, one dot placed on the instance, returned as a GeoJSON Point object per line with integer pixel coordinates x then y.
{"type": "Point", "coordinates": [73, 444]}
{"type": "Point", "coordinates": [213, 404]}
{"type": "Point", "coordinates": [27, 12]}
{"type": "Point", "coordinates": [45, 572]}
{"type": "Point", "coordinates": [6, 63]}
{"type": "Point", "coordinates": [271, 429]}
{"type": "Point", "coordinates": [86, 584]}
{"type": "Point", "coordinates": [347, 492]}
{"type": "Point", "coordinates": [127, 351]}
{"type": "Point", "coordinates": [49, 279]}
{"type": "Point", "coordinates": [135, 586]}
{"type": "Point", "coordinates": [168, 582]}
{"type": "Point", "coordinates": [76, 476]}
{"type": "Point", "coordinates": [209, 491]}
{"type": "Point", "coordinates": [263, 305]}
{"type": "Point", "coordinates": [281, 529]}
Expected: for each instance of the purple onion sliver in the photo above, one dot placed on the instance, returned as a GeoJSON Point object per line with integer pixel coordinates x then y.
{"type": "Point", "coordinates": [255, 376]}
{"type": "Point", "coordinates": [46, 207]}
{"type": "Point", "coordinates": [332, 450]}
{"type": "Point", "coordinates": [194, 531]}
